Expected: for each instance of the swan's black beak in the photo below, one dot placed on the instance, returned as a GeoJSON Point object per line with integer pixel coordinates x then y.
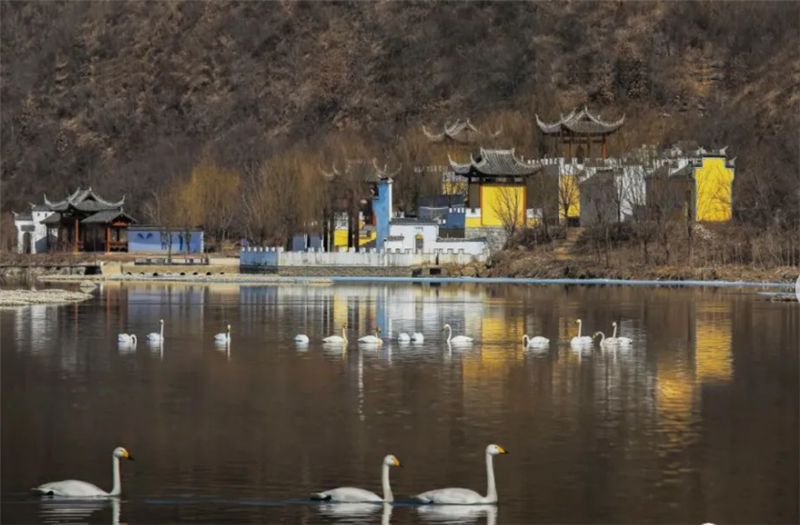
{"type": "Point", "coordinates": [130, 457]}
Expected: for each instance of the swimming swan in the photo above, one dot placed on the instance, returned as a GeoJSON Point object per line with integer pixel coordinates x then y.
{"type": "Point", "coordinates": [127, 339]}
{"type": "Point", "coordinates": [338, 339]}
{"type": "Point", "coordinates": [417, 337]}
{"type": "Point", "coordinates": [301, 339]}
{"type": "Point", "coordinates": [157, 337]}
{"type": "Point", "coordinates": [372, 339]}
{"type": "Point", "coordinates": [623, 341]}
{"type": "Point", "coordinates": [354, 495]}
{"type": "Point", "coordinates": [71, 488]}
{"type": "Point", "coordinates": [579, 340]}
{"type": "Point", "coordinates": [403, 338]}
{"type": "Point", "coordinates": [606, 342]}
{"type": "Point", "coordinates": [467, 496]}
{"type": "Point", "coordinates": [534, 341]}
{"type": "Point", "coordinates": [459, 339]}
{"type": "Point", "coordinates": [224, 337]}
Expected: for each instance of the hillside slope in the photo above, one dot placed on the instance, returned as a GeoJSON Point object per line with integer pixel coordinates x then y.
{"type": "Point", "coordinates": [126, 96]}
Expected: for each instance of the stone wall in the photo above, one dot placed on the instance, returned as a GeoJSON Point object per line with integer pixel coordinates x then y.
{"type": "Point", "coordinates": [495, 236]}
{"type": "Point", "coordinates": [275, 259]}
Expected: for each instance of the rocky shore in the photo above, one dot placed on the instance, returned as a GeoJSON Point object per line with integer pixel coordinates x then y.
{"type": "Point", "coordinates": [30, 297]}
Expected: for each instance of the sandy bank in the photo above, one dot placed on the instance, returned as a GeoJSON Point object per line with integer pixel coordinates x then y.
{"type": "Point", "coordinates": [29, 297]}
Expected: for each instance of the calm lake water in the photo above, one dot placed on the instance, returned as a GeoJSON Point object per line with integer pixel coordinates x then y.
{"type": "Point", "coordinates": [697, 422]}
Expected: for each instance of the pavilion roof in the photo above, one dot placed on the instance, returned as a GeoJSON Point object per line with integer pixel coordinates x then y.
{"type": "Point", "coordinates": [84, 200]}
{"type": "Point", "coordinates": [580, 122]}
{"type": "Point", "coordinates": [373, 174]}
{"type": "Point", "coordinates": [462, 131]}
{"type": "Point", "coordinates": [107, 216]}
{"type": "Point", "coordinates": [494, 163]}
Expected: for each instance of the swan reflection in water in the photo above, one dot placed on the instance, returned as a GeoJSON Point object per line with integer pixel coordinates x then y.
{"type": "Point", "coordinates": [457, 513]}
{"type": "Point", "coordinates": [65, 510]}
{"type": "Point", "coordinates": [356, 512]}
{"type": "Point", "coordinates": [224, 347]}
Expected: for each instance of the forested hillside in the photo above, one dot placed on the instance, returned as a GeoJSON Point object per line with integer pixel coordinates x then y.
{"type": "Point", "coordinates": [132, 97]}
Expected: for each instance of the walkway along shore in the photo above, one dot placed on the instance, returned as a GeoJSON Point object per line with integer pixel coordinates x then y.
{"type": "Point", "coordinates": [277, 279]}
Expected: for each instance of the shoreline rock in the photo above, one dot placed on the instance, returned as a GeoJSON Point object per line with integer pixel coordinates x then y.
{"type": "Point", "coordinates": [31, 297]}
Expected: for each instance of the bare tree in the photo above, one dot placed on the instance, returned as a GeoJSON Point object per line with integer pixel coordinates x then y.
{"type": "Point", "coordinates": [510, 209]}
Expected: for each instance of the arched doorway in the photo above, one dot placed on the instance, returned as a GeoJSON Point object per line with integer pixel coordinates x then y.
{"type": "Point", "coordinates": [26, 242]}
{"type": "Point", "coordinates": [419, 242]}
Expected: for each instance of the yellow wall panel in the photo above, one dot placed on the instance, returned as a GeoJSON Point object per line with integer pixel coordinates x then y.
{"type": "Point", "coordinates": [496, 199]}
{"type": "Point", "coordinates": [714, 184]}
{"type": "Point", "coordinates": [569, 194]}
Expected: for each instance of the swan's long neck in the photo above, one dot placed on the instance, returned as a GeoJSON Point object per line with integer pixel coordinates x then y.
{"type": "Point", "coordinates": [117, 488]}
{"type": "Point", "coordinates": [491, 490]}
{"type": "Point", "coordinates": [525, 340]}
{"type": "Point", "coordinates": [133, 338]}
{"type": "Point", "coordinates": [387, 490]}
{"type": "Point", "coordinates": [579, 328]}
{"type": "Point", "coordinates": [615, 330]}
{"type": "Point", "coordinates": [162, 331]}
{"type": "Point", "coordinates": [602, 337]}
{"type": "Point", "coordinates": [344, 334]}
{"type": "Point", "coordinates": [449, 333]}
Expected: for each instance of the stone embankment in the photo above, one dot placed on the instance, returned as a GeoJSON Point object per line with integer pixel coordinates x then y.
{"type": "Point", "coordinates": [31, 297]}
{"type": "Point", "coordinates": [232, 278]}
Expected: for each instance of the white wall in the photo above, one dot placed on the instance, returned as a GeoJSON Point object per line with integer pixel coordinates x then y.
{"type": "Point", "coordinates": [38, 235]}
{"type": "Point", "coordinates": [272, 257]}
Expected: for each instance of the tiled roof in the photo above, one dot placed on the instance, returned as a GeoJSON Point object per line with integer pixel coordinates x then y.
{"type": "Point", "coordinates": [106, 216]}
{"type": "Point", "coordinates": [53, 219]}
{"type": "Point", "coordinates": [494, 162]}
{"type": "Point", "coordinates": [80, 196]}
{"type": "Point", "coordinates": [580, 122]}
{"type": "Point", "coordinates": [462, 131]}
{"type": "Point", "coordinates": [406, 220]}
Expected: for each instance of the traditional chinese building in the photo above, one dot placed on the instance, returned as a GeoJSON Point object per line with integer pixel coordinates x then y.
{"type": "Point", "coordinates": [497, 188]}
{"type": "Point", "coordinates": [83, 221]}
{"type": "Point", "coordinates": [579, 129]}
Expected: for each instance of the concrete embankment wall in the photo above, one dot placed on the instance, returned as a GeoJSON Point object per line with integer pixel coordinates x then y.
{"type": "Point", "coordinates": [369, 262]}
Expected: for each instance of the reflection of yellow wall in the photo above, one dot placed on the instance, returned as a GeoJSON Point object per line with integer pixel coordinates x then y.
{"type": "Point", "coordinates": [714, 183]}
{"type": "Point", "coordinates": [568, 194]}
{"type": "Point", "coordinates": [713, 342]}
{"type": "Point", "coordinates": [497, 200]}
{"type": "Point", "coordinates": [339, 311]}
{"type": "Point", "coordinates": [674, 400]}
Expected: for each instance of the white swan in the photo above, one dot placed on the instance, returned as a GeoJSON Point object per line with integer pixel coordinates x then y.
{"type": "Point", "coordinates": [224, 337]}
{"type": "Point", "coordinates": [622, 341]}
{"type": "Point", "coordinates": [71, 488]}
{"type": "Point", "coordinates": [403, 338]}
{"type": "Point", "coordinates": [335, 339]}
{"type": "Point", "coordinates": [417, 337]}
{"type": "Point", "coordinates": [354, 495]}
{"type": "Point", "coordinates": [128, 339]}
{"type": "Point", "coordinates": [459, 339]}
{"type": "Point", "coordinates": [534, 341]}
{"type": "Point", "coordinates": [467, 496]}
{"type": "Point", "coordinates": [157, 337]}
{"type": "Point", "coordinates": [606, 342]}
{"type": "Point", "coordinates": [579, 340]}
{"type": "Point", "coordinates": [301, 339]}
{"type": "Point", "coordinates": [372, 339]}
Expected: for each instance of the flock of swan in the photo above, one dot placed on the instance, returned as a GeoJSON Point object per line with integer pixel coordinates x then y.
{"type": "Point", "coordinates": [72, 488]}
{"type": "Point", "coordinates": [578, 342]}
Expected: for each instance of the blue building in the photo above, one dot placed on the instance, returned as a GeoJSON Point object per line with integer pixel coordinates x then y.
{"type": "Point", "coordinates": [155, 239]}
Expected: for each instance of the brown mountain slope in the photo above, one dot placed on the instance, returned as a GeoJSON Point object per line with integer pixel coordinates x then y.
{"type": "Point", "coordinates": [125, 96]}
